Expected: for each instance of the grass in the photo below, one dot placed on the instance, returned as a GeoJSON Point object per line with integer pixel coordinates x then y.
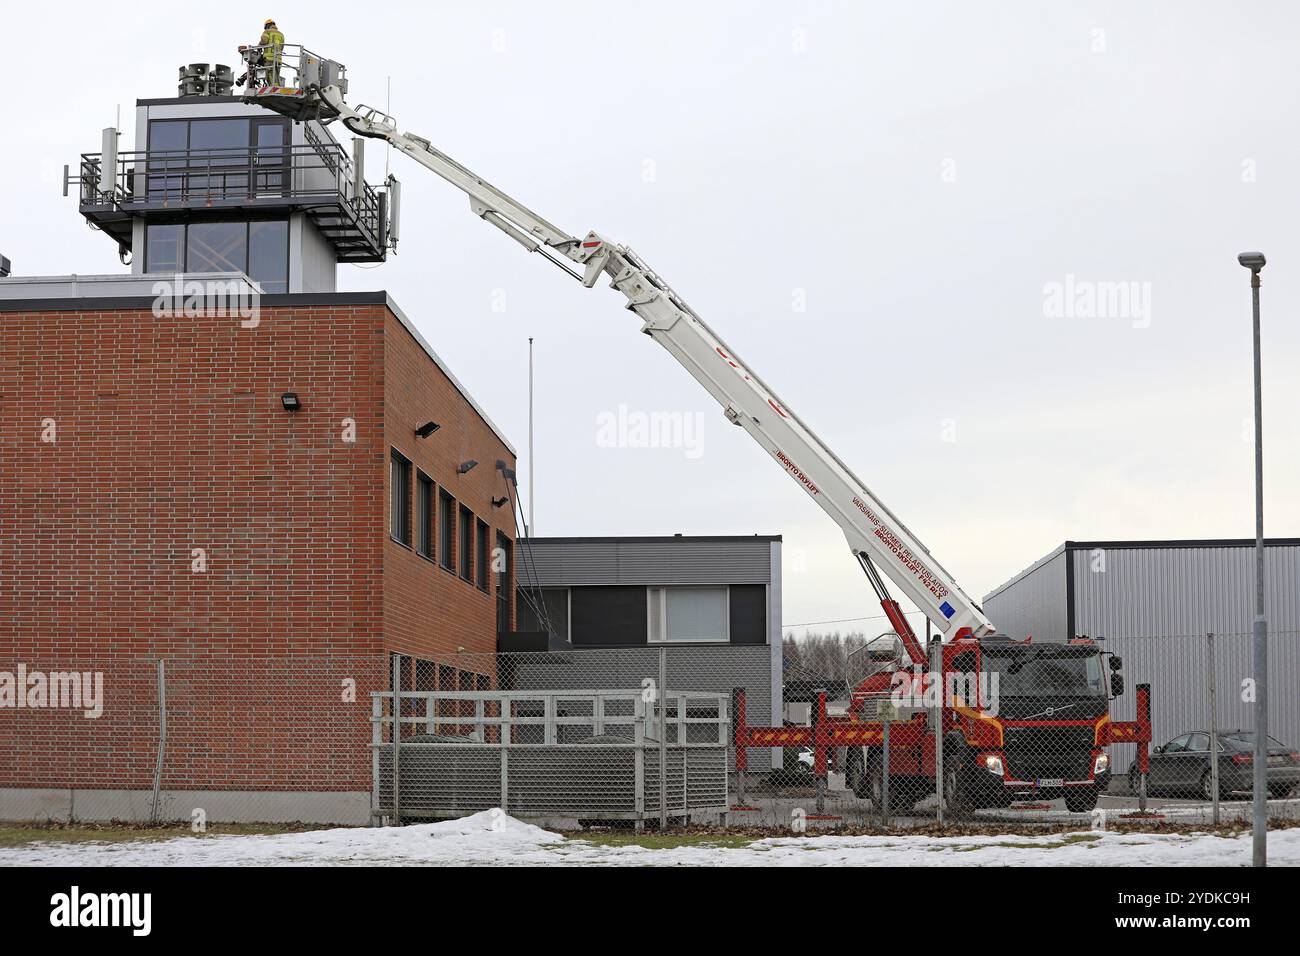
{"type": "Point", "coordinates": [667, 841]}
{"type": "Point", "coordinates": [1067, 840]}
{"type": "Point", "coordinates": [14, 835]}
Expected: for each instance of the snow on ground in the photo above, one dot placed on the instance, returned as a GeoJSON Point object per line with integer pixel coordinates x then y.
{"type": "Point", "coordinates": [493, 837]}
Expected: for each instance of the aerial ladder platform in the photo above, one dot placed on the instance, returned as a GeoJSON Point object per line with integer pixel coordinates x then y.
{"type": "Point", "coordinates": [880, 542]}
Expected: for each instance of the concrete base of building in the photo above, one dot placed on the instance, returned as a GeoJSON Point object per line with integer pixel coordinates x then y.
{"type": "Point", "coordinates": [217, 806]}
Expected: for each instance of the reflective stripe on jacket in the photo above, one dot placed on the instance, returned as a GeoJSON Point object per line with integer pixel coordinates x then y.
{"type": "Point", "coordinates": [275, 40]}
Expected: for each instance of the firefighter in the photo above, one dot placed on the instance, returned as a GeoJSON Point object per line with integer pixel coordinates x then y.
{"type": "Point", "coordinates": [272, 44]}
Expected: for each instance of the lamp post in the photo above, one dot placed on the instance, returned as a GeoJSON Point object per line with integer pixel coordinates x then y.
{"type": "Point", "coordinates": [1254, 261]}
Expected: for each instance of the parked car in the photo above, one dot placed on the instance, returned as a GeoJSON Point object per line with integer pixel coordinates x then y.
{"type": "Point", "coordinates": [1182, 766]}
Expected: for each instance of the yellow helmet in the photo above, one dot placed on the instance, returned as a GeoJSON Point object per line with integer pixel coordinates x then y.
{"type": "Point", "coordinates": [268, 23]}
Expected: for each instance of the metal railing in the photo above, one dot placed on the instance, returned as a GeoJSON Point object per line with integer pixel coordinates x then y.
{"type": "Point", "coordinates": [317, 173]}
{"type": "Point", "coordinates": [581, 755]}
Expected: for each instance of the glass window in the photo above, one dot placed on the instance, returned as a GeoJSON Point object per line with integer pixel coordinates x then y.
{"type": "Point", "coordinates": [504, 565]}
{"type": "Point", "coordinates": [538, 607]}
{"type": "Point", "coordinates": [168, 135]}
{"type": "Point", "coordinates": [217, 247]}
{"type": "Point", "coordinates": [164, 248]}
{"type": "Point", "coordinates": [447, 529]}
{"type": "Point", "coordinates": [481, 556]}
{"type": "Point", "coordinates": [271, 156]}
{"type": "Point", "coordinates": [1178, 744]}
{"type": "Point", "coordinates": [399, 491]}
{"type": "Point", "coordinates": [424, 514]}
{"type": "Point", "coordinates": [164, 173]}
{"type": "Point", "coordinates": [466, 554]}
{"type": "Point", "coordinates": [227, 138]}
{"type": "Point", "coordinates": [268, 254]}
{"type": "Point", "coordinates": [689, 614]}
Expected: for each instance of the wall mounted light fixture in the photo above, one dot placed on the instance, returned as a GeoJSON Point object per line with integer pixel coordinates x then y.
{"type": "Point", "coordinates": [465, 466]}
{"type": "Point", "coordinates": [427, 429]}
{"type": "Point", "coordinates": [290, 401]}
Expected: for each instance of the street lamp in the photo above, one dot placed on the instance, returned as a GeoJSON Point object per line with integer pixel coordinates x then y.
{"type": "Point", "coordinates": [1254, 261]}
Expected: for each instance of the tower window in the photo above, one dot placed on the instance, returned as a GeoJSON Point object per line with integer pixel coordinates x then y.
{"type": "Point", "coordinates": [259, 249]}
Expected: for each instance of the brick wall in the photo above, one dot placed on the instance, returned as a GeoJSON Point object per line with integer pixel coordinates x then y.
{"type": "Point", "coordinates": [431, 612]}
{"type": "Point", "coordinates": [169, 436]}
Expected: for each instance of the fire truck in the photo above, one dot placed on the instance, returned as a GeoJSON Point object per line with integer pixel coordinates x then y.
{"type": "Point", "coordinates": [1040, 728]}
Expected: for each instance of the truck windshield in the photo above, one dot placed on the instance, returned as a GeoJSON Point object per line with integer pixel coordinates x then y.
{"type": "Point", "coordinates": [1045, 671]}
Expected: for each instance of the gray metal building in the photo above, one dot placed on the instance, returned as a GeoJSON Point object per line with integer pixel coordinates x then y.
{"type": "Point", "coordinates": [713, 602]}
{"type": "Point", "coordinates": [1153, 603]}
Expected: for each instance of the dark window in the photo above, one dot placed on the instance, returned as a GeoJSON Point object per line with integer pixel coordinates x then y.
{"type": "Point", "coordinates": [425, 675]}
{"type": "Point", "coordinates": [168, 135]}
{"type": "Point", "coordinates": [611, 615]}
{"type": "Point", "coordinates": [748, 614]}
{"type": "Point", "coordinates": [168, 140]}
{"type": "Point", "coordinates": [268, 254]}
{"type": "Point", "coordinates": [502, 561]}
{"type": "Point", "coordinates": [164, 248]}
{"type": "Point", "coordinates": [194, 159]}
{"type": "Point", "coordinates": [447, 530]}
{"type": "Point", "coordinates": [270, 157]}
{"type": "Point", "coordinates": [399, 492]}
{"type": "Point", "coordinates": [260, 249]}
{"type": "Point", "coordinates": [446, 708]}
{"type": "Point", "coordinates": [216, 247]}
{"type": "Point", "coordinates": [424, 514]}
{"type": "Point", "coordinates": [466, 550]}
{"type": "Point", "coordinates": [482, 559]}
{"type": "Point", "coordinates": [537, 607]}
{"type": "Point", "coordinates": [224, 137]}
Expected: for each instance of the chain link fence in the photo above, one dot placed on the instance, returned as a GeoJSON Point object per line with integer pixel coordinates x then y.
{"type": "Point", "coordinates": [646, 736]}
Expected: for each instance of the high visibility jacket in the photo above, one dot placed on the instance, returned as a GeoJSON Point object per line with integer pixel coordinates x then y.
{"type": "Point", "coordinates": [275, 40]}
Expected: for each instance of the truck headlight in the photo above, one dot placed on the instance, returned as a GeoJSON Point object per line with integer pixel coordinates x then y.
{"type": "Point", "coordinates": [992, 763]}
{"type": "Point", "coordinates": [1101, 764]}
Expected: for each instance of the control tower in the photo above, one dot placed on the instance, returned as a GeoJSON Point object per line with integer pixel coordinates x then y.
{"type": "Point", "coordinates": [214, 185]}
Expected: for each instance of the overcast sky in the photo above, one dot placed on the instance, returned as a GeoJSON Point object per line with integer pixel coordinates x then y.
{"type": "Point", "coordinates": [897, 213]}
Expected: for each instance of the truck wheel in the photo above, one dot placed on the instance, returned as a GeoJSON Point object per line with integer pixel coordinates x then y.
{"type": "Point", "coordinates": [956, 793]}
{"type": "Point", "coordinates": [855, 773]}
{"type": "Point", "coordinates": [902, 794]}
{"type": "Point", "coordinates": [1081, 799]}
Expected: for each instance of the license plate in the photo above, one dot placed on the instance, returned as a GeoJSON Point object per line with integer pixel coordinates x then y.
{"type": "Point", "coordinates": [1050, 782]}
{"type": "Point", "coordinates": [1276, 760]}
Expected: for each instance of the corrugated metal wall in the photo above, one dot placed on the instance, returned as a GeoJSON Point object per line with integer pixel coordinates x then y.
{"type": "Point", "coordinates": [1182, 590]}
{"type": "Point", "coordinates": [566, 562]}
{"type": "Point", "coordinates": [1154, 607]}
{"type": "Point", "coordinates": [1033, 602]}
{"type": "Point", "coordinates": [1153, 603]}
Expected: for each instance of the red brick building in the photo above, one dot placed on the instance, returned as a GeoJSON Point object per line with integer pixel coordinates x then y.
{"type": "Point", "coordinates": [257, 499]}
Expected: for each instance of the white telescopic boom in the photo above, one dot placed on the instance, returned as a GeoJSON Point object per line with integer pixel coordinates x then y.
{"type": "Point", "coordinates": [875, 536]}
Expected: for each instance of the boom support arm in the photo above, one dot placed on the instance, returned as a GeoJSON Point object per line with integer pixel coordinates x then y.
{"type": "Point", "coordinates": [875, 536]}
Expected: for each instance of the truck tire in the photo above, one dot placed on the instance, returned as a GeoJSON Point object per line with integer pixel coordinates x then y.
{"type": "Point", "coordinates": [1081, 799]}
{"type": "Point", "coordinates": [903, 793]}
{"type": "Point", "coordinates": [956, 793]}
{"type": "Point", "coordinates": [855, 773]}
